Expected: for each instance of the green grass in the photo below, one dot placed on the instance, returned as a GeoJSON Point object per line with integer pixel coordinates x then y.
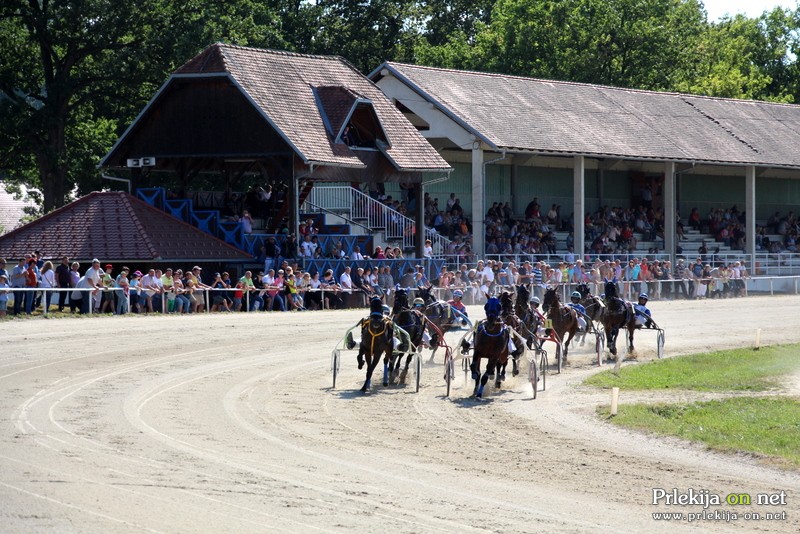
{"type": "Point", "coordinates": [728, 370]}
{"type": "Point", "coordinates": [761, 425]}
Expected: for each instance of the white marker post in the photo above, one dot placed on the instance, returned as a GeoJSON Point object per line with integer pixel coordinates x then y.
{"type": "Point", "coordinates": [614, 400]}
{"type": "Point", "coordinates": [758, 340]}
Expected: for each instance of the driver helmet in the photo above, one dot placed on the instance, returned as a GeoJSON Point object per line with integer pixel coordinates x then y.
{"type": "Point", "coordinates": [386, 310]}
{"type": "Point", "coordinates": [457, 294]}
{"type": "Point", "coordinates": [643, 296]}
{"type": "Point", "coordinates": [535, 301]}
{"type": "Point", "coordinates": [419, 302]}
{"type": "Point", "coordinates": [576, 296]}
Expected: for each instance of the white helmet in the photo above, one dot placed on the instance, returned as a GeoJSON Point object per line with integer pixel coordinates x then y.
{"type": "Point", "coordinates": [535, 300]}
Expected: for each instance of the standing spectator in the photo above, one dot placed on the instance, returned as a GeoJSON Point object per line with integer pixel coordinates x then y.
{"type": "Point", "coordinates": [74, 278]}
{"type": "Point", "coordinates": [63, 281]}
{"type": "Point", "coordinates": [4, 292]}
{"type": "Point", "coordinates": [107, 295]}
{"type": "Point", "coordinates": [47, 280]}
{"type": "Point", "coordinates": [90, 280]}
{"type": "Point", "coordinates": [122, 291]}
{"type": "Point", "coordinates": [149, 289]}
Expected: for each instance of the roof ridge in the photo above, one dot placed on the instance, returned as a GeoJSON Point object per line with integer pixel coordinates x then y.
{"type": "Point", "coordinates": [126, 200]}
{"type": "Point", "coordinates": [584, 84]}
{"type": "Point", "coordinates": [272, 51]}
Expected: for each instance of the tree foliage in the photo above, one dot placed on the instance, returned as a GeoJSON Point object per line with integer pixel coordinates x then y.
{"type": "Point", "coordinates": [75, 73]}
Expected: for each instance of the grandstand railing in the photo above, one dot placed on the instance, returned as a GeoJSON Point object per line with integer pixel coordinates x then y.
{"type": "Point", "coordinates": [358, 206]}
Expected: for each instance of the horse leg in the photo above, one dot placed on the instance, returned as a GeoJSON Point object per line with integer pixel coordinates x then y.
{"type": "Point", "coordinates": [372, 363]}
{"type": "Point", "coordinates": [501, 373]}
{"type": "Point", "coordinates": [387, 358]}
{"type": "Point", "coordinates": [434, 345]}
{"type": "Point", "coordinates": [631, 330]}
{"type": "Point", "coordinates": [612, 340]}
{"type": "Point", "coordinates": [485, 378]}
{"type": "Point", "coordinates": [360, 357]}
{"type": "Point", "coordinates": [475, 367]}
{"type": "Point", "coordinates": [404, 373]}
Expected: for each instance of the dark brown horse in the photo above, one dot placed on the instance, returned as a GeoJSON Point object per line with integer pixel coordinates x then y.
{"type": "Point", "coordinates": [490, 342]}
{"type": "Point", "coordinates": [618, 314]}
{"type": "Point", "coordinates": [413, 322]}
{"type": "Point", "coordinates": [564, 318]}
{"type": "Point", "coordinates": [377, 333]}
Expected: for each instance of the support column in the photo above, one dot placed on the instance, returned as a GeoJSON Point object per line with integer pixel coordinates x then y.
{"type": "Point", "coordinates": [669, 210]}
{"type": "Point", "coordinates": [579, 204]}
{"type": "Point", "coordinates": [294, 208]}
{"type": "Point", "coordinates": [419, 220]}
{"type": "Point", "coordinates": [478, 211]}
{"type": "Point", "coordinates": [750, 214]}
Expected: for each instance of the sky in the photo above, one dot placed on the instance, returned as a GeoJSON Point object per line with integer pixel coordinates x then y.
{"type": "Point", "coordinates": [752, 8]}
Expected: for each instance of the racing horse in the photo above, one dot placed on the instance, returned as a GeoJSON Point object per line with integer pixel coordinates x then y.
{"type": "Point", "coordinates": [441, 314]}
{"type": "Point", "coordinates": [490, 342]}
{"type": "Point", "coordinates": [413, 322]}
{"type": "Point", "coordinates": [377, 337]}
{"type": "Point", "coordinates": [564, 318]}
{"type": "Point", "coordinates": [510, 318]}
{"type": "Point", "coordinates": [595, 307]}
{"type": "Point", "coordinates": [618, 314]}
{"type": "Point", "coordinates": [531, 319]}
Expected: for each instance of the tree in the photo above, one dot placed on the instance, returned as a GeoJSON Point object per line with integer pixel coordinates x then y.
{"type": "Point", "coordinates": [76, 72]}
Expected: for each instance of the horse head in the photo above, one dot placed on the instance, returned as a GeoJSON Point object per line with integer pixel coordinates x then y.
{"type": "Point", "coordinates": [523, 294]}
{"type": "Point", "coordinates": [550, 298]}
{"type": "Point", "coordinates": [493, 308]}
{"type": "Point", "coordinates": [506, 303]}
{"type": "Point", "coordinates": [400, 301]}
{"type": "Point", "coordinates": [583, 289]}
{"type": "Point", "coordinates": [425, 293]}
{"type": "Point", "coordinates": [610, 290]}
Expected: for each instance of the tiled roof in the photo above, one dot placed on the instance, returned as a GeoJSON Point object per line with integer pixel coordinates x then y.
{"type": "Point", "coordinates": [115, 227]}
{"type": "Point", "coordinates": [527, 114]}
{"type": "Point", "coordinates": [11, 210]}
{"type": "Point", "coordinates": [282, 84]}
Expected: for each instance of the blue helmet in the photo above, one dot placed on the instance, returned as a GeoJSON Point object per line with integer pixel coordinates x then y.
{"type": "Point", "coordinates": [575, 295]}
{"type": "Point", "coordinates": [458, 293]}
{"type": "Point", "coordinates": [643, 296]}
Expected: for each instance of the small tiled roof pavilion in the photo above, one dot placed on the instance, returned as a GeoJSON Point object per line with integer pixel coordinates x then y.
{"type": "Point", "coordinates": [515, 121]}
{"type": "Point", "coordinates": [233, 110]}
{"type": "Point", "coordinates": [117, 227]}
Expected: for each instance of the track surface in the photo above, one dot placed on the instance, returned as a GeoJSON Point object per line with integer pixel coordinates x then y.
{"type": "Point", "coordinates": [227, 423]}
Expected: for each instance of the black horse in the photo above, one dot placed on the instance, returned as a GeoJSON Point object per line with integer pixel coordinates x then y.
{"type": "Point", "coordinates": [564, 318]}
{"type": "Point", "coordinates": [491, 342]}
{"type": "Point", "coordinates": [377, 337]}
{"type": "Point", "coordinates": [618, 314]}
{"type": "Point", "coordinates": [511, 319]}
{"type": "Point", "coordinates": [441, 314]}
{"type": "Point", "coordinates": [594, 305]}
{"type": "Point", "coordinates": [532, 320]}
{"type": "Point", "coordinates": [413, 322]}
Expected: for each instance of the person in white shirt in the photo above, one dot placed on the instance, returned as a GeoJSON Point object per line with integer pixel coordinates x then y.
{"type": "Point", "coordinates": [92, 276]}
{"type": "Point", "coordinates": [344, 280]}
{"type": "Point", "coordinates": [150, 288]}
{"type": "Point", "coordinates": [357, 253]}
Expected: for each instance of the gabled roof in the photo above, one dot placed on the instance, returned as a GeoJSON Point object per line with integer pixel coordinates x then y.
{"type": "Point", "coordinates": [116, 227]}
{"type": "Point", "coordinates": [11, 210]}
{"type": "Point", "coordinates": [281, 87]}
{"type": "Point", "coordinates": [552, 117]}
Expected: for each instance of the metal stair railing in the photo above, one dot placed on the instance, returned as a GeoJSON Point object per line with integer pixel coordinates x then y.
{"type": "Point", "coordinates": [358, 206]}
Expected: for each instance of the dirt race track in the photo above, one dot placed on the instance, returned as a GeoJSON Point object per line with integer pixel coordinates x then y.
{"type": "Point", "coordinates": [228, 423]}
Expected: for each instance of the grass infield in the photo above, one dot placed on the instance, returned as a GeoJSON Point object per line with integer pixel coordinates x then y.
{"type": "Point", "coordinates": [768, 426]}
{"type": "Point", "coordinates": [727, 370]}
{"type": "Point", "coordinates": [763, 425]}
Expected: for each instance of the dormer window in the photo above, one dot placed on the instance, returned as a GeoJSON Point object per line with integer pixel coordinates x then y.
{"type": "Point", "coordinates": [350, 118]}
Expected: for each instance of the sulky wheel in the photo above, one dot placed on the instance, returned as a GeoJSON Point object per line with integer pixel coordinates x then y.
{"type": "Point", "coordinates": [335, 357]}
{"type": "Point", "coordinates": [533, 375]}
